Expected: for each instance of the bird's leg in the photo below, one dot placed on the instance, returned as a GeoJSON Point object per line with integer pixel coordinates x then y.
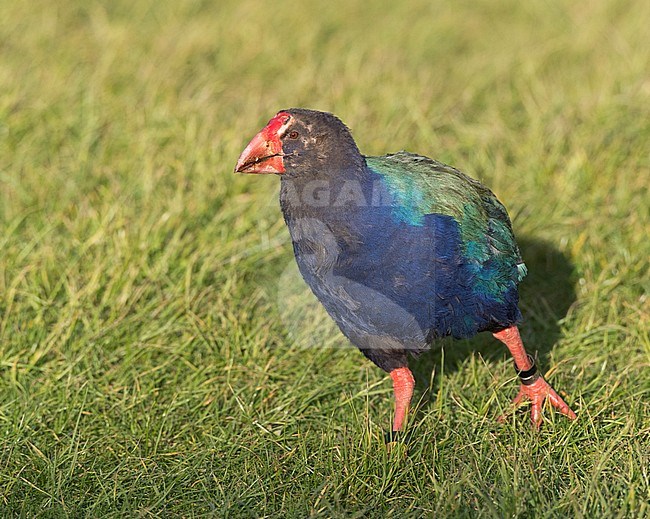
{"type": "Point", "coordinates": [403, 384]}
{"type": "Point", "coordinates": [533, 385]}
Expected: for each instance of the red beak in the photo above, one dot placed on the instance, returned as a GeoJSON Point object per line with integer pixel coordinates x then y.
{"type": "Point", "coordinates": [264, 152]}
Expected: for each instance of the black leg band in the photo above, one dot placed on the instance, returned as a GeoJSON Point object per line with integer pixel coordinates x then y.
{"type": "Point", "coordinates": [527, 376]}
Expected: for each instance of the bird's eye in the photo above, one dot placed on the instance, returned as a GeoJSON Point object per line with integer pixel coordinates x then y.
{"type": "Point", "coordinates": [293, 134]}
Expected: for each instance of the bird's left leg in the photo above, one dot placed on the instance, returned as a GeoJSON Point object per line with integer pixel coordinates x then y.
{"type": "Point", "coordinates": [403, 384]}
{"type": "Point", "coordinates": [533, 385]}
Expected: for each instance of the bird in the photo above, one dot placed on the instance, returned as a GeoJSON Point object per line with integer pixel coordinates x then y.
{"type": "Point", "coordinates": [400, 249]}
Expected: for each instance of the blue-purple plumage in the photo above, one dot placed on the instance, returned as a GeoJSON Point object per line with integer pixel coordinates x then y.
{"type": "Point", "coordinates": [391, 285]}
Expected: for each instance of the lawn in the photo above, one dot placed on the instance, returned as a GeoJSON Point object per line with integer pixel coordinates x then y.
{"type": "Point", "coordinates": [160, 355]}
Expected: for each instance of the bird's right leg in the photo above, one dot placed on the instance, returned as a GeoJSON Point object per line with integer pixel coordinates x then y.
{"type": "Point", "coordinates": [403, 384]}
{"type": "Point", "coordinates": [533, 386]}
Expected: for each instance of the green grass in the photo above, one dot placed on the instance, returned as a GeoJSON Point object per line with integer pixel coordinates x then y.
{"type": "Point", "coordinates": [159, 356]}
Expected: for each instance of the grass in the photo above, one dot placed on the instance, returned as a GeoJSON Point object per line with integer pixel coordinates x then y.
{"type": "Point", "coordinates": [159, 356]}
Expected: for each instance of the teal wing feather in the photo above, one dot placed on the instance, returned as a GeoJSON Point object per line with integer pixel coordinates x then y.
{"type": "Point", "coordinates": [419, 186]}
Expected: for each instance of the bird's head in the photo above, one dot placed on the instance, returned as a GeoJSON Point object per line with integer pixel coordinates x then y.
{"type": "Point", "coordinates": [297, 141]}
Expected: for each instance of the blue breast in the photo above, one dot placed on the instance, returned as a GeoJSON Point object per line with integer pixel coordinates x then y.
{"type": "Point", "coordinates": [379, 276]}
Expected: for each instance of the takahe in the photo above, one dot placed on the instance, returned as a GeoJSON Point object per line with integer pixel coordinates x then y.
{"type": "Point", "coordinates": [400, 249]}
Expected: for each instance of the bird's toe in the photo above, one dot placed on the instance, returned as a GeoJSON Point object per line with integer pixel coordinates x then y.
{"type": "Point", "coordinates": [538, 392]}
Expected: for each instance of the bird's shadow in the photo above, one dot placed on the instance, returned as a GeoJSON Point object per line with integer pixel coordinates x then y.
{"type": "Point", "coordinates": [545, 296]}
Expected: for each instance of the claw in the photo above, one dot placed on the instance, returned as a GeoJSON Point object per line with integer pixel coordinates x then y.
{"type": "Point", "coordinates": [537, 392]}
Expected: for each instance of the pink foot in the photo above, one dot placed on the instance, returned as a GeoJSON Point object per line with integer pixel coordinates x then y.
{"type": "Point", "coordinates": [537, 392]}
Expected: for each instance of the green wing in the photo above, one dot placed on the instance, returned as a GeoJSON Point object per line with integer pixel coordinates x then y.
{"type": "Point", "coordinates": [420, 186]}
